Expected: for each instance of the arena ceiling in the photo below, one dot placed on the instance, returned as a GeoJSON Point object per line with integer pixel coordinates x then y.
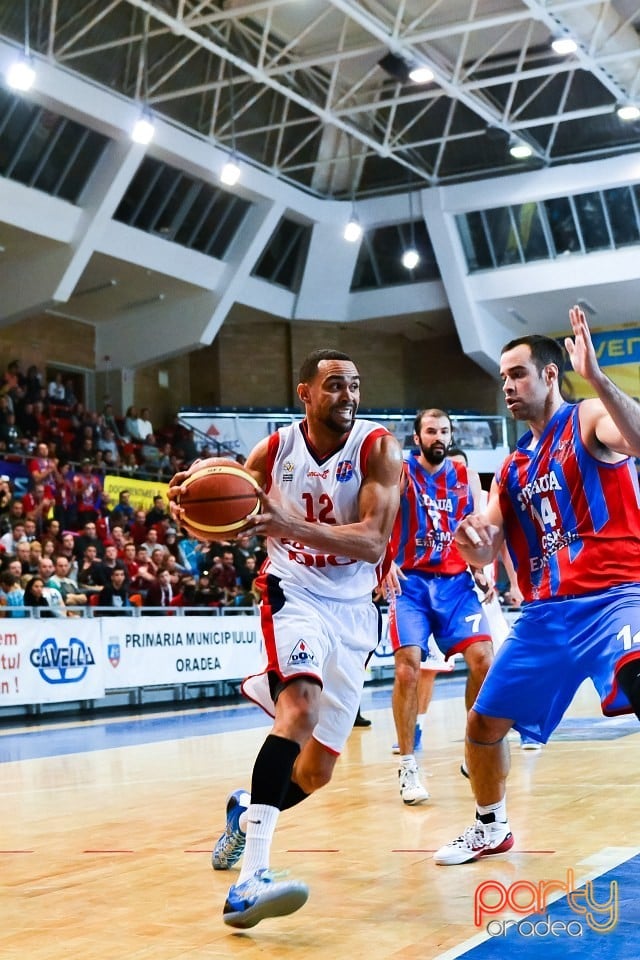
{"type": "Point", "coordinates": [297, 86]}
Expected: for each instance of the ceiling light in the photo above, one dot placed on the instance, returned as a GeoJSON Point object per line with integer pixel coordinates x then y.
{"type": "Point", "coordinates": [520, 150]}
{"type": "Point", "coordinates": [564, 45]}
{"type": "Point", "coordinates": [143, 129]}
{"type": "Point", "coordinates": [21, 75]}
{"type": "Point", "coordinates": [230, 173]}
{"type": "Point", "coordinates": [421, 75]}
{"type": "Point", "coordinates": [410, 259]}
{"type": "Point", "coordinates": [628, 111]}
{"type": "Point", "coordinates": [352, 230]}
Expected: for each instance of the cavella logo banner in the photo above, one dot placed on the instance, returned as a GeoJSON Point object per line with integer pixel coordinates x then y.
{"type": "Point", "coordinates": [50, 661]}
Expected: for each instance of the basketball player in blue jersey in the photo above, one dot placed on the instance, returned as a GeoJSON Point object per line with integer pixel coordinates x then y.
{"type": "Point", "coordinates": [431, 589]}
{"type": "Point", "coordinates": [567, 504]}
{"type": "Point", "coordinates": [331, 493]}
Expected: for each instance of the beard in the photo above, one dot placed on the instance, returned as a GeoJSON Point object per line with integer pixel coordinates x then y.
{"type": "Point", "coordinates": [434, 454]}
{"type": "Point", "coordinates": [339, 426]}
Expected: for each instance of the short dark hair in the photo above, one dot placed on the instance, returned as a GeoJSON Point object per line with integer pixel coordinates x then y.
{"type": "Point", "coordinates": [454, 451]}
{"type": "Point", "coordinates": [428, 412]}
{"type": "Point", "coordinates": [310, 364]}
{"type": "Point", "coordinates": [544, 350]}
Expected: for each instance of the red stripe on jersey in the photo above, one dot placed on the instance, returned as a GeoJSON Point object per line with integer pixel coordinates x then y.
{"type": "Point", "coordinates": [272, 449]}
{"type": "Point", "coordinates": [367, 444]}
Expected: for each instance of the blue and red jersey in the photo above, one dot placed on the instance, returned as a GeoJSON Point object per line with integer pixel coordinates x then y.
{"type": "Point", "coordinates": [431, 507]}
{"type": "Point", "coordinates": [572, 522]}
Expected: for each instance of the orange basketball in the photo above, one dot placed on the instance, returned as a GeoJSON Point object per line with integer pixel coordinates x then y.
{"type": "Point", "coordinates": [217, 498]}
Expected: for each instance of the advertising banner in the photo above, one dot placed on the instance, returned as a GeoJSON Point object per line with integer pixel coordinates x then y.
{"type": "Point", "coordinates": [50, 661]}
{"type": "Point", "coordinates": [142, 651]}
{"type": "Point", "coordinates": [142, 491]}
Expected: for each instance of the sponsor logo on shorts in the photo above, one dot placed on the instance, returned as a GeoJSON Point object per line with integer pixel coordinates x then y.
{"type": "Point", "coordinates": [302, 655]}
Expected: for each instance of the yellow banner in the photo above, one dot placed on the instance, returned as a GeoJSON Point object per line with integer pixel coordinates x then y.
{"type": "Point", "coordinates": [618, 353]}
{"type": "Point", "coordinates": [142, 491]}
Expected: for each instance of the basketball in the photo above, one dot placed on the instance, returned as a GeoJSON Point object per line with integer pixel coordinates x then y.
{"type": "Point", "coordinates": [217, 498]}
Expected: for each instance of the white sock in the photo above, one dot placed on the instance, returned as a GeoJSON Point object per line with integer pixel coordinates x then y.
{"type": "Point", "coordinates": [261, 825]}
{"type": "Point", "coordinates": [498, 809]}
{"type": "Point", "coordinates": [420, 719]}
{"type": "Point", "coordinates": [408, 760]}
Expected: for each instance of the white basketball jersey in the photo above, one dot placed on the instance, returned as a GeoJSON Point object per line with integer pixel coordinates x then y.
{"type": "Point", "coordinates": [325, 490]}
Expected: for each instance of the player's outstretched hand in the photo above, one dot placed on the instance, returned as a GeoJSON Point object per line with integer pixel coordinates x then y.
{"type": "Point", "coordinates": [581, 351]}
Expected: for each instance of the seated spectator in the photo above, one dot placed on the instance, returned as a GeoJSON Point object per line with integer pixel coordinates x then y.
{"type": "Point", "coordinates": [55, 389]}
{"type": "Point", "coordinates": [150, 455]}
{"type": "Point", "coordinates": [206, 594]}
{"type": "Point", "coordinates": [158, 512]}
{"type": "Point", "coordinates": [66, 549]}
{"type": "Point", "coordinates": [15, 567]}
{"type": "Point", "coordinates": [34, 384]}
{"type": "Point", "coordinates": [225, 575]}
{"type": "Point", "coordinates": [123, 512]}
{"type": "Point", "coordinates": [88, 537]}
{"type": "Point", "coordinates": [247, 574]}
{"type": "Point", "coordinates": [145, 427]}
{"type": "Point", "coordinates": [144, 575]}
{"type": "Point", "coordinates": [9, 541]}
{"type": "Point", "coordinates": [11, 595]}
{"type": "Point", "coordinates": [109, 420]}
{"type": "Point", "coordinates": [115, 593]}
{"type": "Point", "coordinates": [12, 438]}
{"type": "Point", "coordinates": [138, 529]}
{"type": "Point", "coordinates": [23, 554]}
{"type": "Point", "coordinates": [160, 591]}
{"type": "Point", "coordinates": [108, 442]}
{"type": "Point", "coordinates": [51, 593]}
{"type": "Point", "coordinates": [118, 537]}
{"type": "Point", "coordinates": [15, 513]}
{"type": "Point", "coordinates": [110, 562]}
{"type": "Point", "coordinates": [129, 465]}
{"type": "Point", "coordinates": [51, 531]}
{"type": "Point", "coordinates": [89, 577]}
{"type": "Point", "coordinates": [35, 555]}
{"type": "Point", "coordinates": [69, 589]}
{"type": "Point", "coordinates": [129, 560]}
{"type": "Point", "coordinates": [168, 464]}
{"type": "Point", "coordinates": [130, 428]}
{"type": "Point", "coordinates": [34, 596]}
{"type": "Point", "coordinates": [70, 398]}
{"type": "Point", "coordinates": [153, 541]}
{"type": "Point", "coordinates": [175, 573]}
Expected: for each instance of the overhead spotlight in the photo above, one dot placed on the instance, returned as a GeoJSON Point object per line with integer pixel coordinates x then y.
{"type": "Point", "coordinates": [628, 112]}
{"type": "Point", "coordinates": [520, 150]}
{"type": "Point", "coordinates": [21, 76]}
{"type": "Point", "coordinates": [230, 173]}
{"type": "Point", "coordinates": [410, 259]}
{"type": "Point", "coordinates": [396, 66]}
{"type": "Point", "coordinates": [564, 46]}
{"type": "Point", "coordinates": [143, 129]}
{"type": "Point", "coordinates": [421, 75]}
{"type": "Point", "coordinates": [352, 230]}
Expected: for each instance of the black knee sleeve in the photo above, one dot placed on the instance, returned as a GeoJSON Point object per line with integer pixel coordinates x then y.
{"type": "Point", "coordinates": [272, 771]}
{"type": "Point", "coordinates": [628, 677]}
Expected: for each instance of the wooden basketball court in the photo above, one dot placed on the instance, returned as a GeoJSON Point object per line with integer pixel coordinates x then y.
{"type": "Point", "coordinates": [108, 826]}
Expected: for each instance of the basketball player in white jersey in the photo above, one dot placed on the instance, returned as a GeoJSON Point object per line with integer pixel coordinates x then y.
{"type": "Point", "coordinates": [331, 493]}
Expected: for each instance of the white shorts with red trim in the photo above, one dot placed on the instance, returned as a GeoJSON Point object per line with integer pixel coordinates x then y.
{"type": "Point", "coordinates": [320, 638]}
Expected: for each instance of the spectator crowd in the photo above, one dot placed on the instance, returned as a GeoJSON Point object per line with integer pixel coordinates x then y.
{"type": "Point", "coordinates": [64, 546]}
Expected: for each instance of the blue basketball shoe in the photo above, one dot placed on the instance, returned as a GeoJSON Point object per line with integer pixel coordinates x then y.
{"type": "Point", "coordinates": [230, 846]}
{"type": "Point", "coordinates": [417, 741]}
{"type": "Point", "coordinates": [262, 895]}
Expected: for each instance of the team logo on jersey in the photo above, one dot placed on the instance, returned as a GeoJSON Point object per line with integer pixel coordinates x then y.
{"type": "Point", "coordinates": [344, 471]}
{"type": "Point", "coordinates": [302, 655]}
{"type": "Point", "coordinates": [287, 471]}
